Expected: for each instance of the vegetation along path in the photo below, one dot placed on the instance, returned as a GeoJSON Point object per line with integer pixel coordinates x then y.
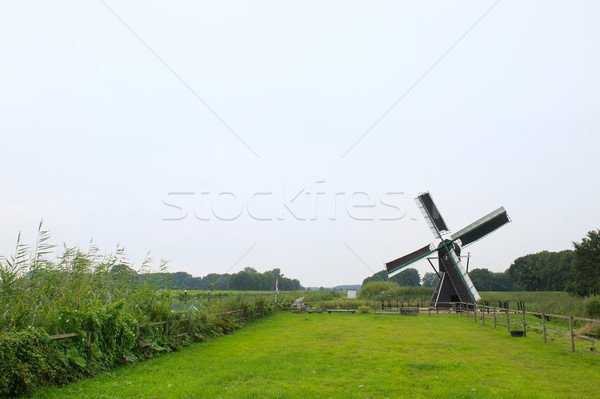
{"type": "Point", "coordinates": [292, 355]}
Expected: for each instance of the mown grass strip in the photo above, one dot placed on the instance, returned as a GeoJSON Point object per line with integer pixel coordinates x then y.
{"type": "Point", "coordinates": [358, 356]}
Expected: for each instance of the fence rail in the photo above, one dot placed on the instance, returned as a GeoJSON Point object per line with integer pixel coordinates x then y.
{"type": "Point", "coordinates": [485, 312]}
{"type": "Point", "coordinates": [480, 312]}
{"type": "Point", "coordinates": [165, 323]}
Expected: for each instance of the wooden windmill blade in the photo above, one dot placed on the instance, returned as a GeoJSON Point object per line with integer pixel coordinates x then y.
{"type": "Point", "coordinates": [397, 265]}
{"type": "Point", "coordinates": [432, 215]}
{"type": "Point", "coordinates": [464, 277]}
{"type": "Point", "coordinates": [482, 227]}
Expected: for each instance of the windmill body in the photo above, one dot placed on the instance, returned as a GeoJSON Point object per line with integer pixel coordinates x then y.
{"type": "Point", "coordinates": [454, 284]}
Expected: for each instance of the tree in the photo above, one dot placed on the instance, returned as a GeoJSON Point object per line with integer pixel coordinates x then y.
{"type": "Point", "coordinates": [213, 281]}
{"type": "Point", "coordinates": [244, 281]}
{"type": "Point", "coordinates": [482, 279]}
{"type": "Point", "coordinates": [501, 282]}
{"type": "Point", "coordinates": [407, 278]}
{"type": "Point", "coordinates": [181, 280]}
{"type": "Point", "coordinates": [430, 280]}
{"type": "Point", "coordinates": [249, 269]}
{"type": "Point", "coordinates": [379, 276]}
{"type": "Point", "coordinates": [122, 268]}
{"type": "Point", "coordinates": [586, 266]}
{"type": "Point", "coordinates": [544, 271]}
{"type": "Point", "coordinates": [378, 290]}
{"type": "Point", "coordinates": [251, 280]}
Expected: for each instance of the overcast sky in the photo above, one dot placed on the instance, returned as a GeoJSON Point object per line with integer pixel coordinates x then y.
{"type": "Point", "coordinates": [188, 128]}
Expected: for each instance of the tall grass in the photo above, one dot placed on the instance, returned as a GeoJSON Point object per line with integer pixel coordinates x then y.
{"type": "Point", "coordinates": [557, 302]}
{"type": "Point", "coordinates": [37, 289]}
{"type": "Point", "coordinates": [390, 290]}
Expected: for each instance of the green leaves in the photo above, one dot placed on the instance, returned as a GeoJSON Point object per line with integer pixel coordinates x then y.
{"type": "Point", "coordinates": [76, 358]}
{"type": "Point", "coordinates": [586, 266]}
{"type": "Point", "coordinates": [543, 271]}
{"type": "Point", "coordinates": [95, 351]}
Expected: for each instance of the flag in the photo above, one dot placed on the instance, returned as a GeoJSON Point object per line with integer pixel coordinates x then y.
{"type": "Point", "coordinates": [276, 286]}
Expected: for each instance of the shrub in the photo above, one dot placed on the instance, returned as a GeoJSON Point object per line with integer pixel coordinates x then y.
{"type": "Point", "coordinates": [393, 291]}
{"type": "Point", "coordinates": [378, 290]}
{"type": "Point", "coordinates": [591, 306]}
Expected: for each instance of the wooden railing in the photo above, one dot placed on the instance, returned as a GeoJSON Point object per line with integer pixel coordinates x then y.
{"type": "Point", "coordinates": [502, 315]}
{"type": "Point", "coordinates": [88, 334]}
{"type": "Point", "coordinates": [483, 313]}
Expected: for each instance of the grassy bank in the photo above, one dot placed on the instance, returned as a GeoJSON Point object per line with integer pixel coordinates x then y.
{"type": "Point", "coordinates": [558, 302]}
{"type": "Point", "coordinates": [77, 314]}
{"type": "Point", "coordinates": [355, 355]}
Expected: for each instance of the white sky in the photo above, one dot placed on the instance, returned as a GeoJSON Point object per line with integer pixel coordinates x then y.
{"type": "Point", "coordinates": [104, 118]}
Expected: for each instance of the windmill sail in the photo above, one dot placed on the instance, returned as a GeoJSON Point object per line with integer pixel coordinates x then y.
{"type": "Point", "coordinates": [465, 277]}
{"type": "Point", "coordinates": [400, 263]}
{"type": "Point", "coordinates": [432, 215]}
{"type": "Point", "coordinates": [484, 226]}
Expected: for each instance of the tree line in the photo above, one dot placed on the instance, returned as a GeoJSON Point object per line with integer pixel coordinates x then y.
{"type": "Point", "coordinates": [249, 279]}
{"type": "Point", "coordinates": [576, 271]}
{"type": "Point", "coordinates": [483, 279]}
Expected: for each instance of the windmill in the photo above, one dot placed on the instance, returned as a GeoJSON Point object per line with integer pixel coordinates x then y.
{"type": "Point", "coordinates": [454, 284]}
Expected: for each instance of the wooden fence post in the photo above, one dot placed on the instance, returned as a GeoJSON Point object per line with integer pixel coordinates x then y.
{"type": "Point", "coordinates": [544, 326]}
{"type": "Point", "coordinates": [483, 316]}
{"type": "Point", "coordinates": [572, 337]}
{"type": "Point", "coordinates": [507, 320]}
{"type": "Point", "coordinates": [524, 323]}
{"type": "Point", "coordinates": [494, 317]}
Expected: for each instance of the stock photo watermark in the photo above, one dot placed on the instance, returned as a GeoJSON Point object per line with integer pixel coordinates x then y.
{"type": "Point", "coordinates": [286, 203]}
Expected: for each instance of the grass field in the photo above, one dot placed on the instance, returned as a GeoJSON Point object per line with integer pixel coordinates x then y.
{"type": "Point", "coordinates": [291, 355]}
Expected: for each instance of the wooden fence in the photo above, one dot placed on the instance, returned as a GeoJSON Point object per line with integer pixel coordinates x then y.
{"type": "Point", "coordinates": [143, 343]}
{"type": "Point", "coordinates": [484, 313]}
{"type": "Point", "coordinates": [503, 315]}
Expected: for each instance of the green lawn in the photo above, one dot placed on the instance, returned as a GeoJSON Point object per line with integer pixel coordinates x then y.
{"type": "Point", "coordinates": [292, 355]}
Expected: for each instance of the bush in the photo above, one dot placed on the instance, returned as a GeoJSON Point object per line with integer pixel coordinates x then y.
{"type": "Point", "coordinates": [378, 290]}
{"type": "Point", "coordinates": [29, 358]}
{"type": "Point", "coordinates": [393, 291]}
{"type": "Point", "coordinates": [591, 306]}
